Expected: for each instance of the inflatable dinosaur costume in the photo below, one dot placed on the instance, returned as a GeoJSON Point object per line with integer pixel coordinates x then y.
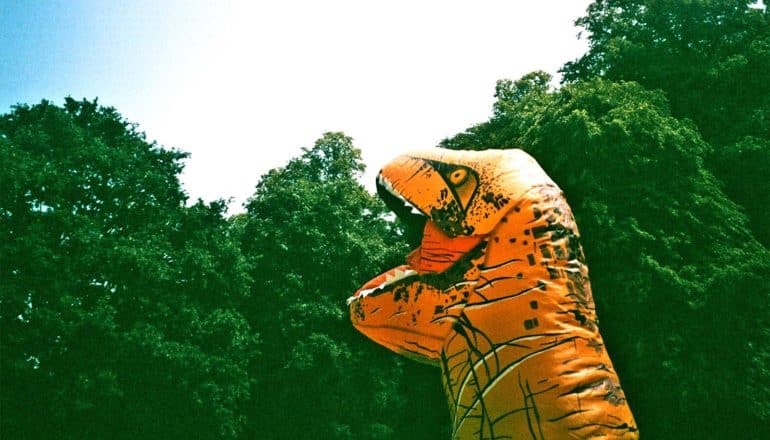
{"type": "Point", "coordinates": [497, 295]}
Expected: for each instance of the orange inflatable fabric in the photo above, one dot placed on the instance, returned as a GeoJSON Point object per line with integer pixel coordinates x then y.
{"type": "Point", "coordinates": [497, 295]}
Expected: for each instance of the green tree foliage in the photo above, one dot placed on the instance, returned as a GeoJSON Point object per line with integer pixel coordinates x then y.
{"type": "Point", "coordinates": [314, 235]}
{"type": "Point", "coordinates": [119, 307]}
{"type": "Point", "coordinates": [710, 58]}
{"type": "Point", "coordinates": [125, 314]}
{"type": "Point", "coordinates": [679, 281]}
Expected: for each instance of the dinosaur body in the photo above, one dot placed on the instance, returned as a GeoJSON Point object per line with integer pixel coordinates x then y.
{"type": "Point", "coordinates": [497, 295]}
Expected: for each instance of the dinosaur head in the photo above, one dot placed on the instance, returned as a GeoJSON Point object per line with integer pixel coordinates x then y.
{"type": "Point", "coordinates": [462, 192]}
{"type": "Point", "coordinates": [451, 201]}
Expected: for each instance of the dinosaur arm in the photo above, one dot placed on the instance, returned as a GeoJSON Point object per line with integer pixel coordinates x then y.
{"type": "Point", "coordinates": [410, 309]}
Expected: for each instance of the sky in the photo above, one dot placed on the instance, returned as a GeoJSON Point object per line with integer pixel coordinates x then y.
{"type": "Point", "coordinates": [244, 85]}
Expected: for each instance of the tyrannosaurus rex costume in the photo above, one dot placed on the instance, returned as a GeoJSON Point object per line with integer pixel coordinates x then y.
{"type": "Point", "coordinates": [497, 295]}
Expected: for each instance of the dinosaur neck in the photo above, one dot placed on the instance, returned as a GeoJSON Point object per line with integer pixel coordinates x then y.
{"type": "Point", "coordinates": [526, 351]}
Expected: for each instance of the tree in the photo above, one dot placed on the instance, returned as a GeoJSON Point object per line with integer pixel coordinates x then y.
{"type": "Point", "coordinates": [120, 311]}
{"type": "Point", "coordinates": [710, 58]}
{"type": "Point", "coordinates": [674, 267]}
{"type": "Point", "coordinates": [314, 235]}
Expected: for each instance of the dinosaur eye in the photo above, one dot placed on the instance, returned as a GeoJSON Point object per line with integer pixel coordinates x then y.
{"type": "Point", "coordinates": [458, 176]}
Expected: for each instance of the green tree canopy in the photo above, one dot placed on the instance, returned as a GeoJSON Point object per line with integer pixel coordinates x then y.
{"type": "Point", "coordinates": [120, 307]}
{"type": "Point", "coordinates": [710, 58]}
{"type": "Point", "coordinates": [314, 235]}
{"type": "Point", "coordinates": [126, 314]}
{"type": "Point", "coordinates": [675, 270]}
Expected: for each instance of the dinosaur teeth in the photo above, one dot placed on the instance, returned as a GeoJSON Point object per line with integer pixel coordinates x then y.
{"type": "Point", "coordinates": [401, 274]}
{"type": "Point", "coordinates": [385, 183]}
{"type": "Point", "coordinates": [390, 278]}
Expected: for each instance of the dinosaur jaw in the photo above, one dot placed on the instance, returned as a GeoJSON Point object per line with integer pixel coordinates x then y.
{"type": "Point", "coordinates": [435, 253]}
{"type": "Point", "coordinates": [381, 282]}
{"type": "Point", "coordinates": [409, 308]}
{"type": "Point", "coordinates": [388, 193]}
{"type": "Point", "coordinates": [436, 249]}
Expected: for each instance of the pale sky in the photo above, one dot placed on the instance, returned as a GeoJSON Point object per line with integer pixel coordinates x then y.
{"type": "Point", "coordinates": [243, 85]}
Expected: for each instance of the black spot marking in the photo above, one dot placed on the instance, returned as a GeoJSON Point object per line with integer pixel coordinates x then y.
{"type": "Point", "coordinates": [581, 318]}
{"type": "Point", "coordinates": [529, 324]}
{"type": "Point", "coordinates": [401, 292]}
{"type": "Point", "coordinates": [596, 345]}
{"type": "Point", "coordinates": [533, 305]}
{"type": "Point", "coordinates": [614, 393]}
{"type": "Point", "coordinates": [553, 272]}
{"type": "Point", "coordinates": [417, 293]}
{"type": "Point", "coordinates": [449, 218]}
{"type": "Point", "coordinates": [496, 200]}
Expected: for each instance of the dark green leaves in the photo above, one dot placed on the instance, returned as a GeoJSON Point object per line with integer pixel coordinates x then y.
{"type": "Point", "coordinates": [315, 235]}
{"type": "Point", "coordinates": [710, 58]}
{"type": "Point", "coordinates": [121, 308]}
